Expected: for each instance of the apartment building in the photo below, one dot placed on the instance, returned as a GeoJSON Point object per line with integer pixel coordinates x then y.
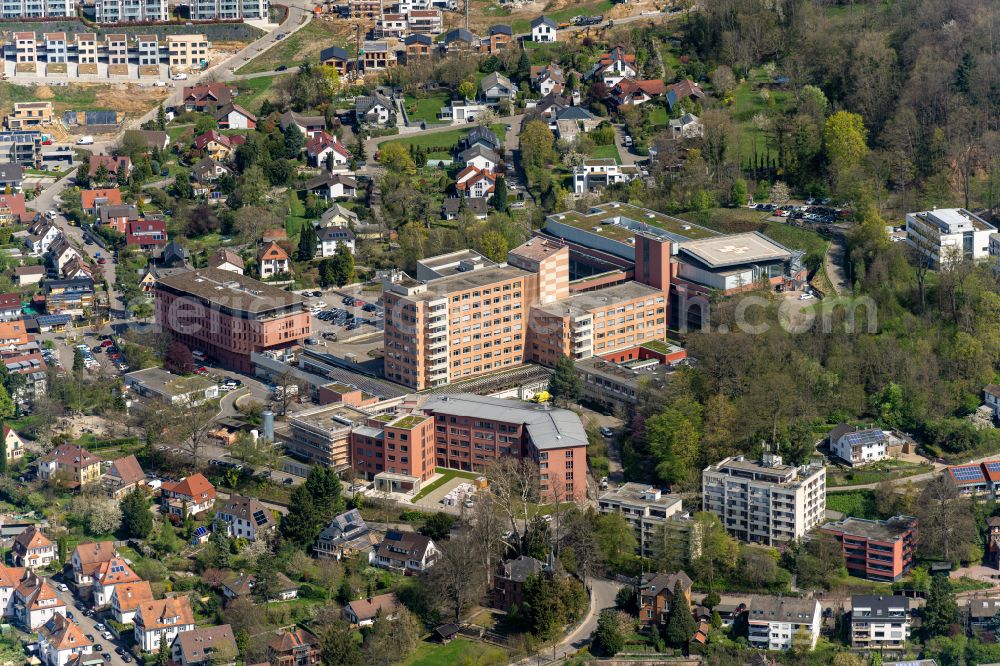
{"type": "Point", "coordinates": [645, 508]}
{"type": "Point", "coordinates": [127, 11]}
{"type": "Point", "coordinates": [774, 621]}
{"type": "Point", "coordinates": [33, 9]}
{"type": "Point", "coordinates": [187, 50]}
{"type": "Point", "coordinates": [29, 115]}
{"type": "Point", "coordinates": [56, 47]}
{"type": "Point", "coordinates": [424, 22]}
{"type": "Point", "coordinates": [116, 47]}
{"type": "Point", "coordinates": [207, 10]}
{"type": "Point", "coordinates": [390, 26]}
{"type": "Point", "coordinates": [86, 48]}
{"type": "Point", "coordinates": [879, 622]}
{"type": "Point", "coordinates": [466, 431]}
{"type": "Point", "coordinates": [948, 235]}
{"type": "Point", "coordinates": [148, 48]}
{"type": "Point", "coordinates": [880, 550]}
{"type": "Point", "coordinates": [25, 47]}
{"type": "Point", "coordinates": [229, 316]}
{"type": "Point", "coordinates": [765, 502]}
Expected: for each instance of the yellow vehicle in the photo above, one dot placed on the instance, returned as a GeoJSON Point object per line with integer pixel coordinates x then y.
{"type": "Point", "coordinates": [541, 396]}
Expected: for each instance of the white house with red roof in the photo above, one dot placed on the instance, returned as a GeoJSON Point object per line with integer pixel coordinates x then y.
{"type": "Point", "coordinates": [323, 144]}
{"type": "Point", "coordinates": [475, 182]}
{"type": "Point", "coordinates": [161, 620]}
{"type": "Point", "coordinates": [234, 116]}
{"type": "Point", "coordinates": [60, 642]}
{"type": "Point", "coordinates": [87, 559]}
{"type": "Point", "coordinates": [32, 549]}
{"type": "Point", "coordinates": [191, 495]}
{"type": "Point", "coordinates": [110, 575]}
{"type": "Point", "coordinates": [35, 601]}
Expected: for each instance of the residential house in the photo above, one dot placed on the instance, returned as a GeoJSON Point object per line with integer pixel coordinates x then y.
{"type": "Point", "coordinates": [879, 622]}
{"type": "Point", "coordinates": [87, 558]}
{"type": "Point", "coordinates": [495, 87]}
{"type": "Point", "coordinates": [10, 307]}
{"type": "Point", "coordinates": [62, 253]}
{"type": "Point", "coordinates": [32, 549]}
{"type": "Point", "coordinates": [13, 444]}
{"type": "Point", "coordinates": [322, 145]}
{"type": "Point", "coordinates": [77, 268]}
{"type": "Point", "coordinates": [475, 182]}
{"type": "Point", "coordinates": [91, 201]}
{"type": "Point", "coordinates": [362, 613]}
{"type": "Point", "coordinates": [483, 136]}
{"type": "Point", "coordinates": [509, 579]}
{"type": "Point", "coordinates": [11, 177]}
{"type": "Point", "coordinates": [857, 446]}
{"type": "Point", "coordinates": [688, 126]}
{"type": "Point", "coordinates": [635, 92]}
{"type": "Point", "coordinates": [571, 121]}
{"type": "Point", "coordinates": [374, 109]}
{"type": "Point", "coordinates": [148, 48]}
{"type": "Point", "coordinates": [333, 186]}
{"type": "Point", "coordinates": [111, 163]}
{"type": "Point", "coordinates": [146, 233]}
{"type": "Point", "coordinates": [543, 29]}
{"type": "Point", "coordinates": [390, 26]}
{"type": "Point", "coordinates": [234, 116]}
{"type": "Point", "coordinates": [124, 476]}
{"type": "Point", "coordinates": [424, 22]}
{"type": "Point", "coordinates": [161, 620]}
{"type": "Point", "coordinates": [118, 217]}
{"type": "Point", "coordinates": [548, 79]}
{"type": "Point", "coordinates": [206, 646]}
{"type": "Point", "coordinates": [190, 496]}
{"type": "Point", "coordinates": [208, 97]}
{"type": "Point", "coordinates": [241, 585]}
{"type": "Point", "coordinates": [41, 235]}
{"type": "Point", "coordinates": [498, 37]}
{"type": "Point", "coordinates": [404, 551]}
{"type": "Point", "coordinates": [454, 206]}
{"type": "Point", "coordinates": [328, 238]}
{"type": "Point", "coordinates": [29, 275]}
{"type": "Point", "coordinates": [346, 534]}
{"type": "Point", "coordinates": [245, 518]}
{"type": "Point", "coordinates": [378, 56]}
{"type": "Point", "coordinates": [215, 145]}
{"type": "Point", "coordinates": [108, 576]}
{"type": "Point", "coordinates": [338, 216]}
{"type": "Point", "coordinates": [13, 209]}
{"type": "Point", "coordinates": [28, 116]}
{"type": "Point", "coordinates": [207, 170]}
{"type": "Point", "coordinates": [417, 46]}
{"type": "Point", "coordinates": [272, 260]}
{"type": "Point", "coordinates": [294, 648]}
{"type": "Point", "coordinates": [460, 40]}
{"type": "Point", "coordinates": [55, 47]}
{"type": "Point", "coordinates": [682, 90]}
{"type": "Point", "coordinates": [70, 465]}
{"type": "Point", "coordinates": [127, 598]}
{"type": "Point", "coordinates": [550, 105]}
{"type": "Point", "coordinates": [596, 174]}
{"type": "Point", "coordinates": [982, 609]}
{"type": "Point", "coordinates": [481, 157]}
{"type": "Point", "coordinates": [308, 125]}
{"type": "Point", "coordinates": [35, 602]}
{"type": "Point", "coordinates": [461, 111]}
{"type": "Point", "coordinates": [116, 47]}
{"type": "Point", "coordinates": [86, 48]}
{"type": "Point", "coordinates": [227, 260]}
{"type": "Point", "coordinates": [656, 595]}
{"type": "Point", "coordinates": [336, 57]}
{"type": "Point", "coordinates": [61, 642]}
{"type": "Point", "coordinates": [614, 66]}
{"type": "Point", "coordinates": [152, 139]}
{"type": "Point", "coordinates": [774, 621]}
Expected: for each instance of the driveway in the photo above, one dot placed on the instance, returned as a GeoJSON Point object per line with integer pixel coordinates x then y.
{"type": "Point", "coordinates": [833, 265]}
{"type": "Point", "coordinates": [88, 625]}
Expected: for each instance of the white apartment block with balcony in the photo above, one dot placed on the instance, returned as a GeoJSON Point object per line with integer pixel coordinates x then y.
{"type": "Point", "coordinates": [879, 622]}
{"type": "Point", "coordinates": [12, 9]}
{"type": "Point", "coordinates": [596, 174]}
{"type": "Point", "coordinates": [766, 502]}
{"type": "Point", "coordinates": [645, 508]}
{"type": "Point", "coordinates": [949, 235]}
{"type": "Point", "coordinates": [775, 621]}
{"type": "Point", "coordinates": [126, 11]}
{"type": "Point", "coordinates": [206, 10]}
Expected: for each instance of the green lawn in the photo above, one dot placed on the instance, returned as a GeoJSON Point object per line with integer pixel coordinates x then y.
{"type": "Point", "coordinates": [426, 109]}
{"type": "Point", "coordinates": [658, 115]}
{"type": "Point", "coordinates": [459, 651]}
{"type": "Point", "coordinates": [589, 9]}
{"type": "Point", "coordinates": [446, 476]}
{"type": "Point", "coordinates": [856, 503]}
{"type": "Point", "coordinates": [607, 151]}
{"type": "Point", "coordinates": [442, 141]}
{"type": "Point", "coordinates": [747, 103]}
{"type": "Point", "coordinates": [797, 238]}
{"type": "Point", "coordinates": [296, 214]}
{"type": "Point", "coordinates": [883, 471]}
{"type": "Point", "coordinates": [304, 44]}
{"type": "Point", "coordinates": [253, 92]}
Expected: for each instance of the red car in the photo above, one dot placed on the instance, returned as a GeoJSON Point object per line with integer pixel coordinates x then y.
{"type": "Point", "coordinates": [107, 343]}
{"type": "Point", "coordinates": [359, 304]}
{"type": "Point", "coordinates": [202, 370]}
{"type": "Point", "coordinates": [102, 261]}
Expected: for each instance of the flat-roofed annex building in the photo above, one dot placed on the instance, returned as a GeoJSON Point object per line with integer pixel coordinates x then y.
{"type": "Point", "coordinates": [644, 507]}
{"type": "Point", "coordinates": [881, 550]}
{"type": "Point", "coordinates": [765, 502]}
{"type": "Point", "coordinates": [948, 235]}
{"type": "Point", "coordinates": [229, 316]}
{"type": "Point", "coordinates": [322, 435]}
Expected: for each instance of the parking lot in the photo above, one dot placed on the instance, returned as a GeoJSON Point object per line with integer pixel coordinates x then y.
{"type": "Point", "coordinates": [338, 317]}
{"type": "Point", "coordinates": [90, 624]}
{"type": "Point", "coordinates": [99, 353]}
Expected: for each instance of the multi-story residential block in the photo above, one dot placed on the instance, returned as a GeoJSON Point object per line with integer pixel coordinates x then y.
{"type": "Point", "coordinates": [86, 48]}
{"type": "Point", "coordinates": [70, 465]}
{"type": "Point", "coordinates": [35, 9]}
{"type": "Point", "coordinates": [127, 11]}
{"type": "Point", "coordinates": [879, 622]}
{"type": "Point", "coordinates": [208, 10]}
{"type": "Point", "coordinates": [116, 46]}
{"type": "Point", "coordinates": [857, 446]}
{"type": "Point", "coordinates": [56, 48]}
{"type": "Point", "coordinates": [71, 296]}
{"type": "Point", "coordinates": [25, 47]}
{"type": "Point", "coordinates": [948, 235]}
{"type": "Point", "coordinates": [881, 550]}
{"type": "Point", "coordinates": [32, 549]}
{"type": "Point", "coordinates": [645, 508]}
{"type": "Point", "coordinates": [88, 557]}
{"type": "Point", "coordinates": [187, 50]}
{"type": "Point", "coordinates": [148, 48]}
{"type": "Point", "coordinates": [60, 642]}
{"type": "Point", "coordinates": [190, 496]}
{"type": "Point", "coordinates": [774, 621]}
{"type": "Point", "coordinates": [245, 518]}
{"type": "Point", "coordinates": [390, 26]}
{"type": "Point", "coordinates": [616, 380]}
{"type": "Point", "coordinates": [765, 502]}
{"type": "Point", "coordinates": [229, 316]}
{"type": "Point", "coordinates": [424, 22]}
{"type": "Point", "coordinates": [655, 594]}
{"type": "Point", "coordinates": [22, 147]}
{"type": "Point", "coordinates": [160, 620]}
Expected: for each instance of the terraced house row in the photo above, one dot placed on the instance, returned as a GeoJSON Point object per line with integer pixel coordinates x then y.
{"type": "Point", "coordinates": [185, 50]}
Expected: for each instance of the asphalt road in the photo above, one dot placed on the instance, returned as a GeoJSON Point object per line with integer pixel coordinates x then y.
{"type": "Point", "coordinates": [88, 626]}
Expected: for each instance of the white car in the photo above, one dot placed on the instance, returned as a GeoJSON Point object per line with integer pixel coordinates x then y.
{"type": "Point", "coordinates": [108, 636]}
{"type": "Point", "coordinates": [805, 297]}
{"type": "Point", "coordinates": [99, 626]}
{"type": "Point", "coordinates": [63, 587]}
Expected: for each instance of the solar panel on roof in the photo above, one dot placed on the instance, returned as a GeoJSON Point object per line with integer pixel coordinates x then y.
{"type": "Point", "coordinates": [259, 517]}
{"type": "Point", "coordinates": [201, 531]}
{"type": "Point", "coordinates": [865, 437]}
{"type": "Point", "coordinates": [993, 466]}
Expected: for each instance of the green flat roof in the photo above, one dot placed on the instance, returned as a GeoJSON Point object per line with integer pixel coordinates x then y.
{"type": "Point", "coordinates": [409, 421]}
{"type": "Point", "coordinates": [603, 215]}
